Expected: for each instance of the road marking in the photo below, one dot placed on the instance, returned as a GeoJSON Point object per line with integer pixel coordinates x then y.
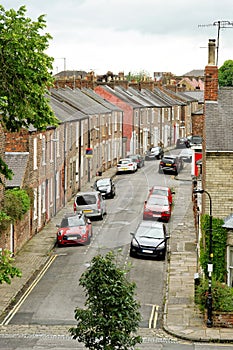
{"type": "Point", "coordinates": [154, 316]}
{"type": "Point", "coordinates": [11, 314]}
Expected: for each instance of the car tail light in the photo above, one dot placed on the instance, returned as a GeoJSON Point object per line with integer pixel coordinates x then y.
{"type": "Point", "coordinates": [130, 164]}
{"type": "Point", "coordinates": [75, 206]}
{"type": "Point", "coordinates": [98, 203]}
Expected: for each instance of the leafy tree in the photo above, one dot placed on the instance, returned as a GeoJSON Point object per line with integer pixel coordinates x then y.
{"type": "Point", "coordinates": [225, 74]}
{"type": "Point", "coordinates": [7, 270]}
{"type": "Point", "coordinates": [25, 74]}
{"type": "Point", "coordinates": [138, 76]}
{"type": "Point", "coordinates": [111, 316]}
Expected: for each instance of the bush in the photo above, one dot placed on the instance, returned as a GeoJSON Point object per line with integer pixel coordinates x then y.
{"type": "Point", "coordinates": [16, 203]}
{"type": "Point", "coordinates": [4, 221]}
{"type": "Point", "coordinates": [219, 240]}
{"type": "Point", "coordinates": [222, 296]}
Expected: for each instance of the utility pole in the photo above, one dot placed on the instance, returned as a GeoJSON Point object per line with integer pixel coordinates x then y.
{"type": "Point", "coordinates": [220, 25]}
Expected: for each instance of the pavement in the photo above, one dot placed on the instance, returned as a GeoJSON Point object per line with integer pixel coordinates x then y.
{"type": "Point", "coordinates": [181, 317]}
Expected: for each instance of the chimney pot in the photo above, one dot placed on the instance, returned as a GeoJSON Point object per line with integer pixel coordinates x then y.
{"type": "Point", "coordinates": [211, 55]}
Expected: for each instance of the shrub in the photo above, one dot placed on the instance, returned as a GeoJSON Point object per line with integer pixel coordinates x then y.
{"type": "Point", "coordinates": [219, 247]}
{"type": "Point", "coordinates": [4, 220]}
{"type": "Point", "coordinates": [222, 296]}
{"type": "Point", "coordinates": [16, 203]}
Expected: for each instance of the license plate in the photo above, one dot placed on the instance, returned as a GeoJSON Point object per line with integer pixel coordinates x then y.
{"type": "Point", "coordinates": [72, 238]}
{"type": "Point", "coordinates": [124, 168]}
{"type": "Point", "coordinates": [87, 211]}
{"type": "Point", "coordinates": [156, 216]}
{"type": "Point", "coordinates": [147, 251]}
{"type": "Point", "coordinates": [167, 164]}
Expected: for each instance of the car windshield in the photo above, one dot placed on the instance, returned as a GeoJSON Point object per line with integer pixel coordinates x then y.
{"type": "Point", "coordinates": [150, 232]}
{"type": "Point", "coordinates": [160, 192]}
{"type": "Point", "coordinates": [103, 182]}
{"type": "Point", "coordinates": [125, 161]}
{"type": "Point", "coordinates": [86, 199]}
{"type": "Point", "coordinates": [73, 221]}
{"type": "Point", "coordinates": [158, 200]}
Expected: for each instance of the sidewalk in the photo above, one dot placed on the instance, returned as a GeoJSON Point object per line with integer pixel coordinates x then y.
{"type": "Point", "coordinates": [181, 318]}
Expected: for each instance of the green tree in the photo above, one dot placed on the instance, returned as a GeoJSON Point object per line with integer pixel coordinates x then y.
{"type": "Point", "coordinates": [225, 74]}
{"type": "Point", "coordinates": [111, 316]}
{"type": "Point", "coordinates": [25, 74]}
{"type": "Point", "coordinates": [7, 270]}
{"type": "Point", "coordinates": [138, 76]}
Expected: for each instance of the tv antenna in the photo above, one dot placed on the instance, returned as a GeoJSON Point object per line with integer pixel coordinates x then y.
{"type": "Point", "coordinates": [220, 25]}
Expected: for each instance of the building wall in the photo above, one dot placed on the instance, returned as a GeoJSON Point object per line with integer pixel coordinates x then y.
{"type": "Point", "coordinates": [219, 179]}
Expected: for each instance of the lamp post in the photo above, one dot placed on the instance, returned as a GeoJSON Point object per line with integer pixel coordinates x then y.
{"type": "Point", "coordinates": [209, 322]}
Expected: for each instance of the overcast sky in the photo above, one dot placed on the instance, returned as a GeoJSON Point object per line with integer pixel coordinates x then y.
{"type": "Point", "coordinates": [132, 35]}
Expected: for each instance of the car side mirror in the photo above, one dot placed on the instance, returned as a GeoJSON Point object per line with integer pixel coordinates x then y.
{"type": "Point", "coordinates": [88, 221]}
{"type": "Point", "coordinates": [167, 237]}
{"type": "Point", "coordinates": [145, 202]}
{"type": "Point", "coordinates": [132, 234]}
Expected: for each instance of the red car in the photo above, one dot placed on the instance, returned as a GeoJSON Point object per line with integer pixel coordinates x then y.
{"type": "Point", "coordinates": [157, 208]}
{"type": "Point", "coordinates": [162, 191]}
{"type": "Point", "coordinates": [74, 229]}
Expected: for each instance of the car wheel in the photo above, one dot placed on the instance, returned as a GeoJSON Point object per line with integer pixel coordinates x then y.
{"type": "Point", "coordinates": [163, 256]}
{"type": "Point", "coordinates": [131, 254]}
{"type": "Point", "coordinates": [88, 241]}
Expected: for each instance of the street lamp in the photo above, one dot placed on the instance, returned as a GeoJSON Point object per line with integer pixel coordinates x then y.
{"type": "Point", "coordinates": [209, 322]}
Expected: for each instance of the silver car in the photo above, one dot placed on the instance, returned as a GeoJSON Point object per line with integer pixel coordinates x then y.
{"type": "Point", "coordinates": [92, 204]}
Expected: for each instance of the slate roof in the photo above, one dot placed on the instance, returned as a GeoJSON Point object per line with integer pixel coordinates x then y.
{"type": "Point", "coordinates": [77, 99]}
{"type": "Point", "coordinates": [219, 122]}
{"type": "Point", "coordinates": [17, 162]}
{"type": "Point", "coordinates": [100, 99]}
{"type": "Point", "coordinates": [194, 73]}
{"type": "Point", "coordinates": [165, 95]}
{"type": "Point", "coordinates": [198, 95]}
{"type": "Point", "coordinates": [63, 111]}
{"type": "Point", "coordinates": [153, 99]}
{"type": "Point", "coordinates": [126, 98]}
{"type": "Point", "coordinates": [228, 222]}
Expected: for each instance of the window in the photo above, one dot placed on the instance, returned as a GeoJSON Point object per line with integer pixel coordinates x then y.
{"type": "Point", "coordinates": [43, 150]}
{"type": "Point", "coordinates": [35, 153]}
{"type": "Point", "coordinates": [35, 204]}
{"type": "Point", "coordinates": [230, 266]}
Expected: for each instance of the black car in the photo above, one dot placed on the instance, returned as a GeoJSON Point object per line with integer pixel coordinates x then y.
{"type": "Point", "coordinates": [182, 142]}
{"type": "Point", "coordinates": [154, 153]}
{"type": "Point", "coordinates": [137, 158]}
{"type": "Point", "coordinates": [170, 163]}
{"type": "Point", "coordinates": [150, 239]}
{"type": "Point", "coordinates": [106, 187]}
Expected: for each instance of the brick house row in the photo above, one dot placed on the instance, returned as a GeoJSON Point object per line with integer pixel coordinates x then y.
{"type": "Point", "coordinates": [98, 125]}
{"type": "Point", "coordinates": [217, 160]}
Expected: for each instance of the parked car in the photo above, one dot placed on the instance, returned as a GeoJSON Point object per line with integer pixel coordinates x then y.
{"type": "Point", "coordinates": [182, 142]}
{"type": "Point", "coordinates": [137, 158]}
{"type": "Point", "coordinates": [126, 165]}
{"type": "Point", "coordinates": [195, 140]}
{"type": "Point", "coordinates": [92, 204]}
{"type": "Point", "coordinates": [74, 229]}
{"type": "Point", "coordinates": [157, 208]}
{"type": "Point", "coordinates": [162, 191]}
{"type": "Point", "coordinates": [186, 154]}
{"type": "Point", "coordinates": [171, 163]}
{"type": "Point", "coordinates": [105, 186]}
{"type": "Point", "coordinates": [154, 153]}
{"type": "Point", "coordinates": [150, 239]}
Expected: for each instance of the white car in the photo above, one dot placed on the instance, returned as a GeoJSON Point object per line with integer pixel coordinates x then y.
{"type": "Point", "coordinates": [126, 165]}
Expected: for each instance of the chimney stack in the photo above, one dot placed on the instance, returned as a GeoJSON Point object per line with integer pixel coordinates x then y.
{"type": "Point", "coordinates": [211, 74]}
